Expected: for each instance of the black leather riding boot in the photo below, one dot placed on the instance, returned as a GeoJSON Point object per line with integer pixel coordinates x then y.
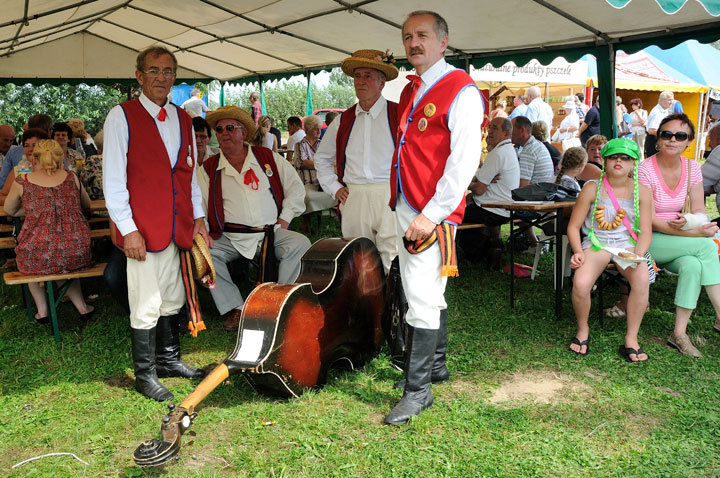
{"type": "Point", "coordinates": [169, 363]}
{"type": "Point", "coordinates": [418, 369]}
{"type": "Point", "coordinates": [440, 373]}
{"type": "Point", "coordinates": [143, 352]}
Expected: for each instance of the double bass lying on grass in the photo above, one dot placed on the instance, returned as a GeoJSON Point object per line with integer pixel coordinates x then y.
{"type": "Point", "coordinates": [291, 334]}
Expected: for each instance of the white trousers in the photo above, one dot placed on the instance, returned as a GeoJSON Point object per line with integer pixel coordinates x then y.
{"type": "Point", "coordinates": [155, 287]}
{"type": "Point", "coordinates": [366, 213]}
{"type": "Point", "coordinates": [420, 273]}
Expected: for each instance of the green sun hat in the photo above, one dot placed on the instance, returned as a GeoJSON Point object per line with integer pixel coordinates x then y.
{"type": "Point", "coordinates": [621, 146]}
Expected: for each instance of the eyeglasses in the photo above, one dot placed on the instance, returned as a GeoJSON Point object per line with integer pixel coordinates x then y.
{"type": "Point", "coordinates": [228, 127]}
{"type": "Point", "coordinates": [620, 157]}
{"type": "Point", "coordinates": [155, 72]}
{"type": "Point", "coordinates": [680, 135]}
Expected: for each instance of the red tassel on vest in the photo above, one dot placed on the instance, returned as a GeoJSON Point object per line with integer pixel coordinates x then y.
{"type": "Point", "coordinates": [420, 155]}
{"type": "Point", "coordinates": [347, 120]}
{"type": "Point", "coordinates": [216, 211]}
{"type": "Point", "coordinates": [160, 195]}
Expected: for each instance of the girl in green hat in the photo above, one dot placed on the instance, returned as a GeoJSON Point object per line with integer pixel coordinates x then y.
{"type": "Point", "coordinates": [616, 216]}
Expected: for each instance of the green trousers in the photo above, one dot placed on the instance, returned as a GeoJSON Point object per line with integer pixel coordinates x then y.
{"type": "Point", "coordinates": [694, 259]}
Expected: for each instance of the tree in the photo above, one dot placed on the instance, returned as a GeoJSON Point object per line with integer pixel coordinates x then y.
{"type": "Point", "coordinates": [285, 98]}
{"type": "Point", "coordinates": [91, 103]}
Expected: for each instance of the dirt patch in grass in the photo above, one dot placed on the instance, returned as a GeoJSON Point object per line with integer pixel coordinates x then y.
{"type": "Point", "coordinates": [669, 391]}
{"type": "Point", "coordinates": [120, 381]}
{"type": "Point", "coordinates": [542, 386]}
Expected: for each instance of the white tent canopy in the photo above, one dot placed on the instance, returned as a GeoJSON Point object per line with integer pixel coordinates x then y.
{"type": "Point", "coordinates": [235, 39]}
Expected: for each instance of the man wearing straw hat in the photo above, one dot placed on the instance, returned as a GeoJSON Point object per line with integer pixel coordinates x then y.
{"type": "Point", "coordinates": [353, 159]}
{"type": "Point", "coordinates": [153, 199]}
{"type": "Point", "coordinates": [438, 150]}
{"type": "Point", "coordinates": [251, 194]}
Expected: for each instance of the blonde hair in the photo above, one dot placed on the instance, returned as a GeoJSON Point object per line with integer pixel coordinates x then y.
{"type": "Point", "coordinates": [572, 158]}
{"type": "Point", "coordinates": [78, 128]}
{"type": "Point", "coordinates": [539, 130]}
{"type": "Point", "coordinates": [49, 155]}
{"type": "Point", "coordinates": [312, 121]}
{"type": "Point", "coordinates": [258, 137]}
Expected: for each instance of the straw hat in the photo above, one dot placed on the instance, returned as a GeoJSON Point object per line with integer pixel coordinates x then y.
{"type": "Point", "coordinates": [232, 112]}
{"type": "Point", "coordinates": [371, 59]}
{"type": "Point", "coordinates": [202, 264]}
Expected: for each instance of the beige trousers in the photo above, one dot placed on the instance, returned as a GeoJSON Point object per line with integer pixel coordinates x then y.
{"type": "Point", "coordinates": [155, 287]}
{"type": "Point", "coordinates": [366, 214]}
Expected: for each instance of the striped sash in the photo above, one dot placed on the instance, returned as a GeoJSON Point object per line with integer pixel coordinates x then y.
{"type": "Point", "coordinates": [195, 324]}
{"type": "Point", "coordinates": [444, 233]}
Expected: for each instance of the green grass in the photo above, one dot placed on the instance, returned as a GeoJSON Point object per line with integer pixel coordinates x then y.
{"type": "Point", "coordinates": [603, 418]}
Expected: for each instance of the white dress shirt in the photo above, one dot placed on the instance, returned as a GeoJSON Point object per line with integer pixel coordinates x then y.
{"type": "Point", "coordinates": [466, 116]}
{"type": "Point", "coordinates": [368, 154]}
{"type": "Point", "coordinates": [115, 149]}
{"type": "Point", "coordinates": [657, 114]}
{"type": "Point", "coordinates": [242, 204]}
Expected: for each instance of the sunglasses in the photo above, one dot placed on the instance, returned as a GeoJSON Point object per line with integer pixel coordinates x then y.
{"type": "Point", "coordinates": [228, 127]}
{"type": "Point", "coordinates": [621, 157]}
{"type": "Point", "coordinates": [680, 135]}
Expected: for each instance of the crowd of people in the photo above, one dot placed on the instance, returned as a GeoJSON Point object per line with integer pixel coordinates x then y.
{"type": "Point", "coordinates": [398, 173]}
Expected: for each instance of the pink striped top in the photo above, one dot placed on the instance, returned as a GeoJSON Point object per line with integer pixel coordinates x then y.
{"type": "Point", "coordinates": [668, 202]}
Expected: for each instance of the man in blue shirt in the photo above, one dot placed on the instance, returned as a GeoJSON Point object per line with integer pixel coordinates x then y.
{"type": "Point", "coordinates": [519, 107]}
{"type": "Point", "coordinates": [537, 109]}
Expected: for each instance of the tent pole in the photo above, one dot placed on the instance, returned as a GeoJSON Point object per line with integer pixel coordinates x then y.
{"type": "Point", "coordinates": [606, 87]}
{"type": "Point", "coordinates": [222, 93]}
{"type": "Point", "coordinates": [699, 128]}
{"type": "Point", "coordinates": [309, 105]}
{"type": "Point", "coordinates": [262, 96]}
{"type": "Point", "coordinates": [547, 92]}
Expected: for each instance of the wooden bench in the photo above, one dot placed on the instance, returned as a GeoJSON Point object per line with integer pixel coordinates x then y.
{"type": "Point", "coordinates": [15, 278]}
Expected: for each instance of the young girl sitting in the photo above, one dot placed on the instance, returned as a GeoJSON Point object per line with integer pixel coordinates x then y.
{"type": "Point", "coordinates": [607, 210]}
{"type": "Point", "coordinates": [571, 165]}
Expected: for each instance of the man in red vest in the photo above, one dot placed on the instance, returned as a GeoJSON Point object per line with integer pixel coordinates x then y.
{"type": "Point", "coordinates": [153, 198]}
{"type": "Point", "coordinates": [438, 150]}
{"type": "Point", "coordinates": [252, 194]}
{"type": "Point", "coordinates": [353, 159]}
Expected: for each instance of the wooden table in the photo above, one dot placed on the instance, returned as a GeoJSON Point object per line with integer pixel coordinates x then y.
{"type": "Point", "coordinates": [97, 205]}
{"type": "Point", "coordinates": [545, 209]}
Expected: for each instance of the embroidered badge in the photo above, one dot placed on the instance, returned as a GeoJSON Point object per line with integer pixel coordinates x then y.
{"type": "Point", "coordinates": [422, 124]}
{"type": "Point", "coordinates": [429, 109]}
{"type": "Point", "coordinates": [268, 170]}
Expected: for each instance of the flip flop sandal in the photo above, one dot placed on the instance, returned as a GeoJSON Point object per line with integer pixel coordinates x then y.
{"type": "Point", "coordinates": [626, 352]}
{"type": "Point", "coordinates": [585, 342]}
{"type": "Point", "coordinates": [615, 312]}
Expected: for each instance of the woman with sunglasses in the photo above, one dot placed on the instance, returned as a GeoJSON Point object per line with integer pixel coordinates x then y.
{"type": "Point", "coordinates": [681, 243]}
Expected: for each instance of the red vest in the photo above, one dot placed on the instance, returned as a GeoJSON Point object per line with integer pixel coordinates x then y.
{"type": "Point", "coordinates": [420, 156]}
{"type": "Point", "coordinates": [216, 211]}
{"type": "Point", "coordinates": [347, 121]}
{"type": "Point", "coordinates": [160, 195]}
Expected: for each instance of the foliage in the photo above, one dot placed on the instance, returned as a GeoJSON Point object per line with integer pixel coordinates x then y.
{"type": "Point", "coordinates": [285, 98]}
{"type": "Point", "coordinates": [605, 417]}
{"type": "Point", "coordinates": [91, 103]}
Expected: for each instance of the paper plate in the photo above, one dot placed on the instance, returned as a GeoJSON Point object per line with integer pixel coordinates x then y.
{"type": "Point", "coordinates": [615, 251]}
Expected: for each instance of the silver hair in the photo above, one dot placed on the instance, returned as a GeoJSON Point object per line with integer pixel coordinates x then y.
{"type": "Point", "coordinates": [440, 27]}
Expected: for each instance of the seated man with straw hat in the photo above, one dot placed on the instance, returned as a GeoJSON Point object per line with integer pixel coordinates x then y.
{"type": "Point", "coordinates": [353, 159]}
{"type": "Point", "coordinates": [251, 195]}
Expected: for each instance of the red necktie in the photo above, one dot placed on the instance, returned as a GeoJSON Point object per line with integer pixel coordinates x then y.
{"type": "Point", "coordinates": [161, 116]}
